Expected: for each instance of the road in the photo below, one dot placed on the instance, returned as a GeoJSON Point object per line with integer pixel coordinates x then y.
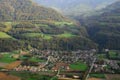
{"type": "Point", "coordinates": [90, 69]}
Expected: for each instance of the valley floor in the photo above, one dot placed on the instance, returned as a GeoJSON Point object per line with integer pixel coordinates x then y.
{"type": "Point", "coordinates": [62, 65]}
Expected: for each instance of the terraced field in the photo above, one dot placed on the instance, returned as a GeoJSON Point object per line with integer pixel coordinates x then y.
{"type": "Point", "coordinates": [44, 36]}
{"type": "Point", "coordinates": [66, 35]}
{"type": "Point", "coordinates": [48, 36]}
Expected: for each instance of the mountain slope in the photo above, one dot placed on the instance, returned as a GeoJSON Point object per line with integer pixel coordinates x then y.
{"type": "Point", "coordinates": [26, 10]}
{"type": "Point", "coordinates": [75, 7]}
{"type": "Point", "coordinates": [27, 25]}
{"type": "Point", "coordinates": [104, 29]}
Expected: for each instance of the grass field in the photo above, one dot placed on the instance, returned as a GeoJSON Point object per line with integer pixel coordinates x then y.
{"type": "Point", "coordinates": [47, 36]}
{"type": "Point", "coordinates": [63, 23]}
{"type": "Point", "coordinates": [33, 59]}
{"type": "Point", "coordinates": [98, 75]}
{"type": "Point", "coordinates": [65, 35]}
{"type": "Point", "coordinates": [8, 26]}
{"type": "Point", "coordinates": [41, 25]}
{"type": "Point", "coordinates": [30, 76]}
{"type": "Point", "coordinates": [112, 54]}
{"type": "Point", "coordinates": [79, 66]}
{"type": "Point", "coordinates": [4, 35]}
{"type": "Point", "coordinates": [6, 58]}
{"type": "Point", "coordinates": [101, 56]}
{"type": "Point", "coordinates": [37, 35]}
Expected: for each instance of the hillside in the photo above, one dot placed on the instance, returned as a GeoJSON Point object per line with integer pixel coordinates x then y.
{"type": "Point", "coordinates": [75, 7]}
{"type": "Point", "coordinates": [26, 10]}
{"type": "Point", "coordinates": [27, 25]}
{"type": "Point", "coordinates": [104, 29]}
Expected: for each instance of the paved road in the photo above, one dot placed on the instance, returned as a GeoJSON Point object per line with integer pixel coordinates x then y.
{"type": "Point", "coordinates": [90, 69]}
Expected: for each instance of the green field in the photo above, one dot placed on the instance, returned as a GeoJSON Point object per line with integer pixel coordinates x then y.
{"type": "Point", "coordinates": [101, 56]}
{"type": "Point", "coordinates": [44, 36]}
{"type": "Point", "coordinates": [6, 58]}
{"type": "Point", "coordinates": [41, 25]}
{"type": "Point", "coordinates": [97, 75]}
{"type": "Point", "coordinates": [63, 23]}
{"type": "Point", "coordinates": [79, 66]}
{"type": "Point", "coordinates": [4, 35]}
{"type": "Point", "coordinates": [33, 59]}
{"type": "Point", "coordinates": [66, 35]}
{"type": "Point", "coordinates": [30, 76]}
{"type": "Point", "coordinates": [47, 36]}
{"type": "Point", "coordinates": [8, 26]}
{"type": "Point", "coordinates": [114, 54]}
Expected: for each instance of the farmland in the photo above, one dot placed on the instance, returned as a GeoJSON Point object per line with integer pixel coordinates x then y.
{"type": "Point", "coordinates": [79, 66]}
{"type": "Point", "coordinates": [48, 36]}
{"type": "Point", "coordinates": [112, 76]}
{"type": "Point", "coordinates": [6, 58]}
{"type": "Point", "coordinates": [4, 76]}
{"type": "Point", "coordinates": [34, 59]}
{"type": "Point", "coordinates": [114, 54]}
{"type": "Point", "coordinates": [4, 35]}
{"type": "Point", "coordinates": [44, 36]}
{"type": "Point", "coordinates": [101, 56]}
{"type": "Point", "coordinates": [98, 75]}
{"type": "Point", "coordinates": [12, 65]}
{"type": "Point", "coordinates": [66, 35]}
{"type": "Point", "coordinates": [30, 76]}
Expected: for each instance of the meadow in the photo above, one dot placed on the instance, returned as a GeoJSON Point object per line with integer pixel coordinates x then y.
{"type": "Point", "coordinates": [4, 35]}
{"type": "Point", "coordinates": [79, 66]}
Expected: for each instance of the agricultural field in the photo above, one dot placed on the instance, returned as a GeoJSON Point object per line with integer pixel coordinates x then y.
{"type": "Point", "coordinates": [30, 76]}
{"type": "Point", "coordinates": [112, 76]}
{"type": "Point", "coordinates": [99, 75]}
{"type": "Point", "coordinates": [95, 79]}
{"type": "Point", "coordinates": [113, 54]}
{"type": "Point", "coordinates": [47, 36]}
{"type": "Point", "coordinates": [8, 26]}
{"type": "Point", "coordinates": [6, 58]}
{"type": "Point", "coordinates": [34, 59]}
{"type": "Point", "coordinates": [4, 35]}
{"type": "Point", "coordinates": [63, 23]}
{"type": "Point", "coordinates": [37, 35]}
{"type": "Point", "coordinates": [12, 65]}
{"type": "Point", "coordinates": [101, 56]}
{"type": "Point", "coordinates": [4, 76]}
{"type": "Point", "coordinates": [66, 35]}
{"type": "Point", "coordinates": [79, 66]}
{"type": "Point", "coordinates": [2, 65]}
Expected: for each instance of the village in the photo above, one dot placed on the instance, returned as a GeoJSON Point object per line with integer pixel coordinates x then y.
{"type": "Point", "coordinates": [60, 63]}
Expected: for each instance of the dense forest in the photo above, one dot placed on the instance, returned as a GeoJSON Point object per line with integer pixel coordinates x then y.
{"type": "Point", "coordinates": [26, 10]}
{"type": "Point", "coordinates": [104, 28]}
